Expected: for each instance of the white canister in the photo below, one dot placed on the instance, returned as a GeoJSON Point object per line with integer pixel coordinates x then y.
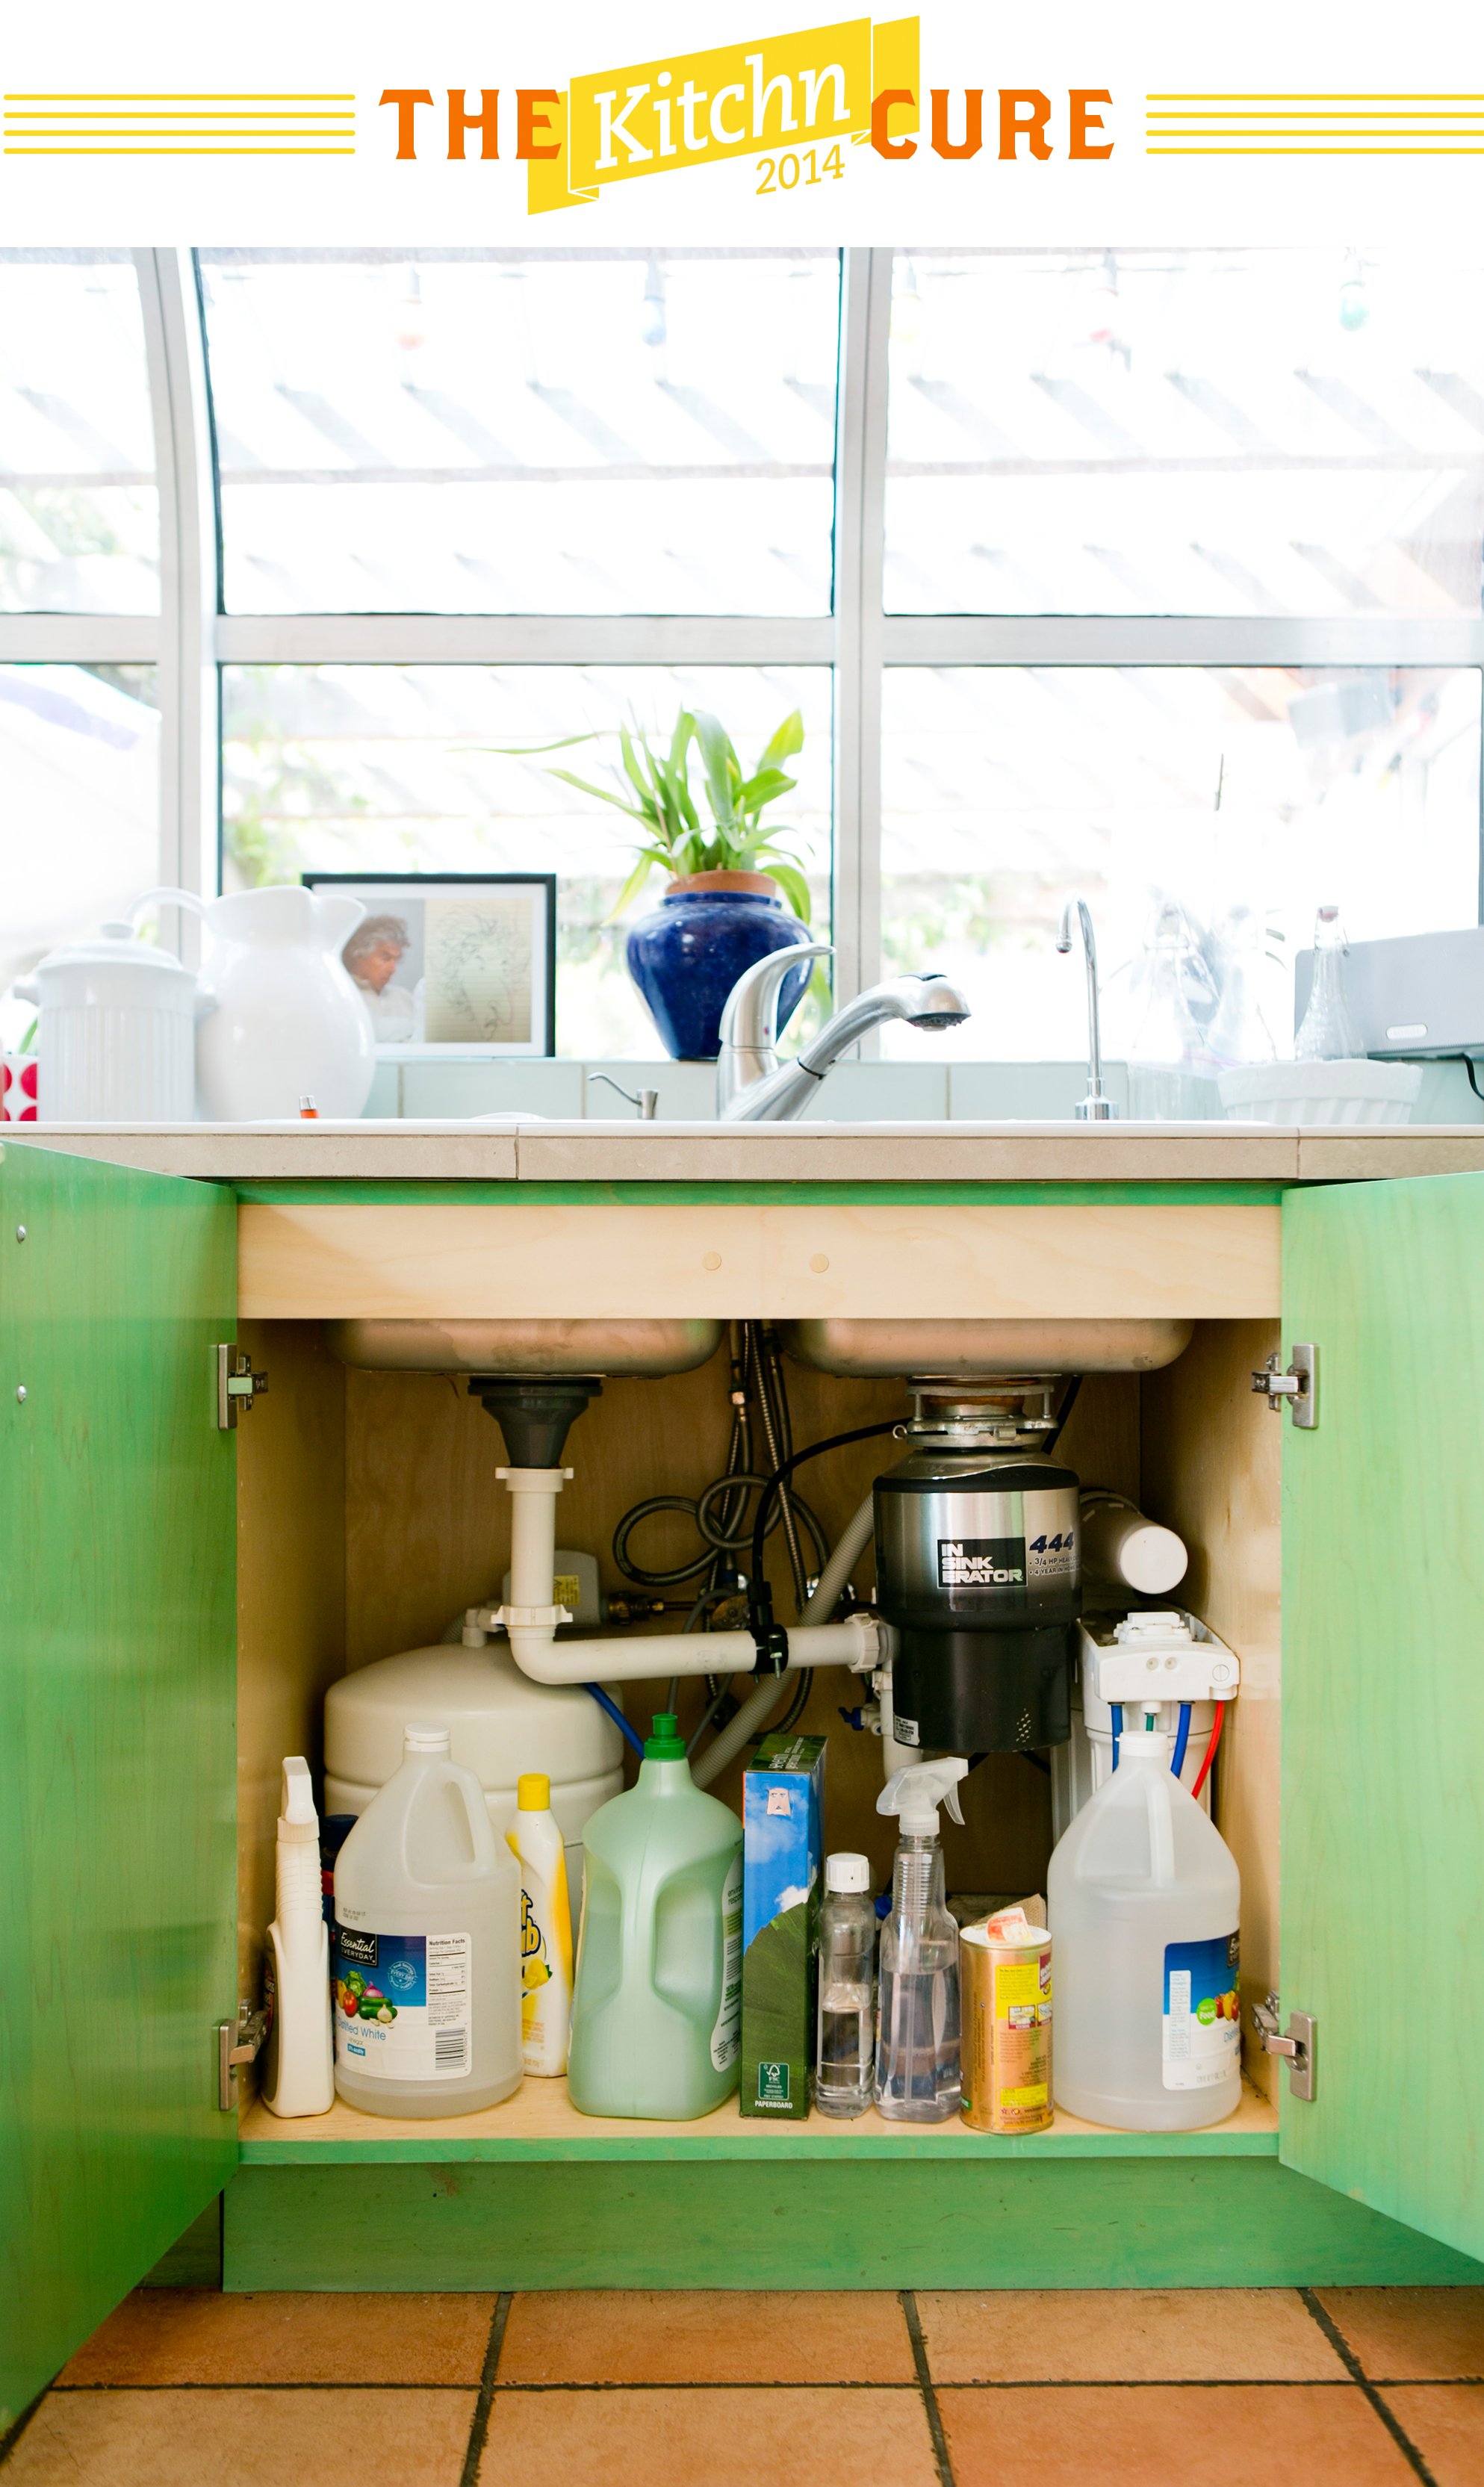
{"type": "Point", "coordinates": [117, 1040]}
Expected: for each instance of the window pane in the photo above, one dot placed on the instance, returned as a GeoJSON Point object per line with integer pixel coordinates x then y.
{"type": "Point", "coordinates": [525, 432]}
{"type": "Point", "coordinates": [384, 768]}
{"type": "Point", "coordinates": [79, 513]}
{"type": "Point", "coordinates": [1187, 432]}
{"type": "Point", "coordinates": [1005, 790]}
{"type": "Point", "coordinates": [79, 763]}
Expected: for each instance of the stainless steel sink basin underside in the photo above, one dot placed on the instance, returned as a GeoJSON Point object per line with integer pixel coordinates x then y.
{"type": "Point", "coordinates": [528, 1350]}
{"type": "Point", "coordinates": [958, 1351]}
{"type": "Point", "coordinates": [961, 1351]}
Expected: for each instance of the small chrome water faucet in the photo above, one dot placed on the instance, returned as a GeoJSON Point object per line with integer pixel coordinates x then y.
{"type": "Point", "coordinates": [752, 1086]}
{"type": "Point", "coordinates": [1096, 1107]}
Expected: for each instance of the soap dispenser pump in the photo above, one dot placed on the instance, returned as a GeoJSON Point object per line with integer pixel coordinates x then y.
{"type": "Point", "coordinates": [917, 2080]}
{"type": "Point", "coordinates": [298, 2071]}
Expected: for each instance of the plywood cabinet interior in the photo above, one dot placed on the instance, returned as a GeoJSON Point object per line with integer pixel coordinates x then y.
{"type": "Point", "coordinates": [370, 1516]}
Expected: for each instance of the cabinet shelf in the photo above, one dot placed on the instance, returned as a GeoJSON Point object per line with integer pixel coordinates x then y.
{"type": "Point", "coordinates": [540, 2124]}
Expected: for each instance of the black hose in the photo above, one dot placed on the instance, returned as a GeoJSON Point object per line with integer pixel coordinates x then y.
{"type": "Point", "coordinates": [782, 1473]}
{"type": "Point", "coordinates": [1069, 1402]}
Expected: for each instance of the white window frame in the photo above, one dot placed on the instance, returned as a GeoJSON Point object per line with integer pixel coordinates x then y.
{"type": "Point", "coordinates": [190, 639]}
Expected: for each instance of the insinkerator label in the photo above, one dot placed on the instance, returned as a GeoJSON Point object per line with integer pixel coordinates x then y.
{"type": "Point", "coordinates": [404, 2005]}
{"type": "Point", "coordinates": [726, 2037]}
{"type": "Point", "coordinates": [1005, 1562]}
{"type": "Point", "coordinates": [1202, 2013]}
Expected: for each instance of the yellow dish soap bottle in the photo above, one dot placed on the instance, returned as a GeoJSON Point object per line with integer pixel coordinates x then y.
{"type": "Point", "coordinates": [545, 1927]}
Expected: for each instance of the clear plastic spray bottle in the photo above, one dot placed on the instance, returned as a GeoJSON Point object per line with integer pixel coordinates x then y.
{"type": "Point", "coordinates": [917, 2004]}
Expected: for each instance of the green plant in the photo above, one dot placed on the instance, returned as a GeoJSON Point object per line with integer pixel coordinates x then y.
{"type": "Point", "coordinates": [654, 789]}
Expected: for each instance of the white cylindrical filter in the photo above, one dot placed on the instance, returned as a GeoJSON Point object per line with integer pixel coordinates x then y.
{"type": "Point", "coordinates": [1123, 1548]}
{"type": "Point", "coordinates": [500, 1725]}
{"type": "Point", "coordinates": [1145, 1900]}
{"type": "Point", "coordinates": [427, 1945]}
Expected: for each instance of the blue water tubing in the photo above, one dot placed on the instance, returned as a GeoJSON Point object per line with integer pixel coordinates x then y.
{"type": "Point", "coordinates": [1115, 1713]}
{"type": "Point", "coordinates": [617, 1717]}
{"type": "Point", "coordinates": [1182, 1738]}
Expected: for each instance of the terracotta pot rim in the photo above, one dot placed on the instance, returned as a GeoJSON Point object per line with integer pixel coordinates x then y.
{"type": "Point", "coordinates": [755, 885]}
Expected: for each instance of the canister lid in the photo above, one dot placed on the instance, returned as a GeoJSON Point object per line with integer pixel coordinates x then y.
{"type": "Point", "coordinates": [116, 945]}
{"type": "Point", "coordinates": [846, 1871]}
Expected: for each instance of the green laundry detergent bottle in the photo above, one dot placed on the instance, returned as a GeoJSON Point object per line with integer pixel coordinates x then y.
{"type": "Point", "coordinates": [657, 2007]}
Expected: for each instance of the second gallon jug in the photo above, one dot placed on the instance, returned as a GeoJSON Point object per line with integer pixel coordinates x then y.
{"type": "Point", "coordinates": [656, 2011]}
{"type": "Point", "coordinates": [1143, 1896]}
{"type": "Point", "coordinates": [427, 1944]}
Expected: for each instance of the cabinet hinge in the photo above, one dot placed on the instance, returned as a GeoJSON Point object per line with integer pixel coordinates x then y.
{"type": "Point", "coordinates": [236, 1383]}
{"type": "Point", "coordinates": [1296, 2045]}
{"type": "Point", "coordinates": [1299, 1386]}
{"type": "Point", "coordinates": [237, 2043]}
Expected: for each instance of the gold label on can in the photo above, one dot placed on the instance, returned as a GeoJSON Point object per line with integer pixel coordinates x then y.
{"type": "Point", "coordinates": [1006, 1995]}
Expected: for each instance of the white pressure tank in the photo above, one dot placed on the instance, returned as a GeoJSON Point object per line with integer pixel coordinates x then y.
{"type": "Point", "coordinates": [500, 1724]}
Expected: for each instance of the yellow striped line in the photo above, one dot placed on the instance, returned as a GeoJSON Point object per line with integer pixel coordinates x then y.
{"type": "Point", "coordinates": [180, 150]}
{"type": "Point", "coordinates": [241, 113]}
{"type": "Point", "coordinates": [151, 95]}
{"type": "Point", "coordinates": [1314, 151]}
{"type": "Point", "coordinates": [1341, 94]}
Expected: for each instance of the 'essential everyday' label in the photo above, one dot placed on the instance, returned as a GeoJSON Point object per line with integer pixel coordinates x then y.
{"type": "Point", "coordinates": [726, 2037]}
{"type": "Point", "coordinates": [1202, 2013]}
{"type": "Point", "coordinates": [981, 1562]}
{"type": "Point", "coordinates": [403, 2006]}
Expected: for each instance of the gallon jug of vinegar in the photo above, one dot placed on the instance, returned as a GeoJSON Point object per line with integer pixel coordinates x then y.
{"type": "Point", "coordinates": [427, 1951]}
{"type": "Point", "coordinates": [657, 2008]}
{"type": "Point", "coordinates": [1144, 1896]}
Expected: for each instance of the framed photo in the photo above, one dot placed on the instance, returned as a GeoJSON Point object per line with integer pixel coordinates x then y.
{"type": "Point", "coordinates": [456, 962]}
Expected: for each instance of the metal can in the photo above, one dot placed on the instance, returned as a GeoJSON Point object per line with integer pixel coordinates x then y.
{"type": "Point", "coordinates": [1005, 1990]}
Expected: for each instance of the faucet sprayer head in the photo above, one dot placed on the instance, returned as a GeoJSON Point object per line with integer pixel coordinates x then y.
{"type": "Point", "coordinates": [938, 1004]}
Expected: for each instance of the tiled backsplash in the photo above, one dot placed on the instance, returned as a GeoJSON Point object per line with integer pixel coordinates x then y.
{"type": "Point", "coordinates": [854, 1091]}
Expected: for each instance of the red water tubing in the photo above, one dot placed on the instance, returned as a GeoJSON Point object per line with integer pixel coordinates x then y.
{"type": "Point", "coordinates": [1201, 1774]}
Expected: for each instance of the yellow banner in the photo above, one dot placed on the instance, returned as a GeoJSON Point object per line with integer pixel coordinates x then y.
{"type": "Point", "coordinates": [779, 93]}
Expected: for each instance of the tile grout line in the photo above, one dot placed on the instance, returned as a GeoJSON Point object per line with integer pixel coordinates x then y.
{"type": "Point", "coordinates": [813, 2383]}
{"type": "Point", "coordinates": [1357, 2374]}
{"type": "Point", "coordinates": [16, 2429]}
{"type": "Point", "coordinates": [479, 2423]}
{"type": "Point", "coordinates": [913, 2321]}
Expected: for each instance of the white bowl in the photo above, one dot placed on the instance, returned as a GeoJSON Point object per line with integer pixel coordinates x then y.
{"type": "Point", "coordinates": [1319, 1092]}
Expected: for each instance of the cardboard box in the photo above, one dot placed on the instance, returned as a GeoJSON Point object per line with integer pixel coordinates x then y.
{"type": "Point", "coordinates": [783, 1835]}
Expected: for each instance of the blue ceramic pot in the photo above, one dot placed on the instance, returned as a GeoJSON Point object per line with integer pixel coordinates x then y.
{"type": "Point", "coordinates": [688, 954]}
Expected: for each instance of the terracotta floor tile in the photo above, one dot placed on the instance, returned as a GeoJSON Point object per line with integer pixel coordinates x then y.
{"type": "Point", "coordinates": [1326, 2435]}
{"type": "Point", "coordinates": [707, 2337]}
{"type": "Point", "coordinates": [1157, 2335]}
{"type": "Point", "coordinates": [1445, 2422]}
{"type": "Point", "coordinates": [811, 2439]}
{"type": "Point", "coordinates": [1411, 2335]}
{"type": "Point", "coordinates": [197, 2336]}
{"type": "Point", "coordinates": [125, 2438]}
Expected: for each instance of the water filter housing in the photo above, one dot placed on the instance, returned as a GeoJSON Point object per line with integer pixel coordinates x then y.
{"type": "Point", "coordinates": [977, 1567]}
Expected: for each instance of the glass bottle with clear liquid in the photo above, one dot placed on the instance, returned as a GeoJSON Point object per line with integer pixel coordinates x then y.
{"type": "Point", "coordinates": [1327, 1032]}
{"type": "Point", "coordinates": [845, 2062]}
{"type": "Point", "coordinates": [917, 2068]}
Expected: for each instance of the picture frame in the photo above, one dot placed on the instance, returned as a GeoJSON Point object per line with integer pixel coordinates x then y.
{"type": "Point", "coordinates": [457, 966]}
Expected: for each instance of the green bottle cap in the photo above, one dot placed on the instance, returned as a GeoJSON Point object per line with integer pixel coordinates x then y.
{"type": "Point", "coordinates": [666, 1744]}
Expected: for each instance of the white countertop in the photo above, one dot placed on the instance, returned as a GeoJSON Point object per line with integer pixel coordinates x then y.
{"type": "Point", "coordinates": [519, 1150]}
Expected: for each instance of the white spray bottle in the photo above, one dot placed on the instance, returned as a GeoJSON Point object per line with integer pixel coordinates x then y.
{"type": "Point", "coordinates": [299, 2062]}
{"type": "Point", "coordinates": [918, 2001]}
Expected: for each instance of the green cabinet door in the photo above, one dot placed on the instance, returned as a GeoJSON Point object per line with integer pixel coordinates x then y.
{"type": "Point", "coordinates": [117, 1737]}
{"type": "Point", "coordinates": [1383, 1716]}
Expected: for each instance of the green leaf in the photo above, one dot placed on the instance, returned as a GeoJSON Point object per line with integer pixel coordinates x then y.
{"type": "Point", "coordinates": [765, 787]}
{"type": "Point", "coordinates": [795, 887]}
{"type": "Point", "coordinates": [637, 880]}
{"type": "Point", "coordinates": [789, 739]}
{"type": "Point", "coordinates": [604, 795]}
{"type": "Point", "coordinates": [721, 761]}
{"type": "Point", "coordinates": [632, 770]}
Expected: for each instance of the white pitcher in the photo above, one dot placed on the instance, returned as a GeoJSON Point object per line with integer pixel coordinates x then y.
{"type": "Point", "coordinates": [283, 1020]}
